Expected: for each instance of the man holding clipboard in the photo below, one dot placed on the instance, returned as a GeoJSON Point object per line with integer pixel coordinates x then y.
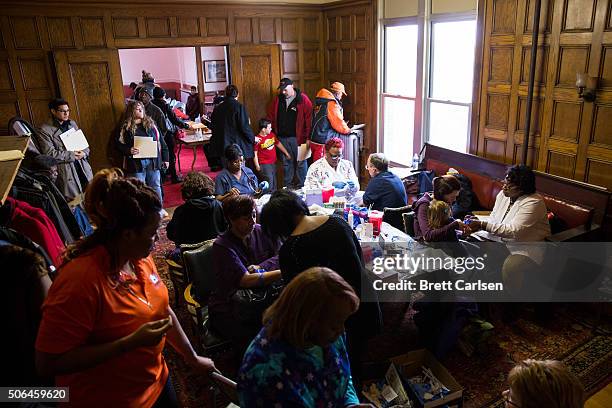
{"type": "Point", "coordinates": [61, 139]}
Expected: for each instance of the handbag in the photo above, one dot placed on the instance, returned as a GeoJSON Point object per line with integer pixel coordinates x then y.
{"type": "Point", "coordinates": [248, 305]}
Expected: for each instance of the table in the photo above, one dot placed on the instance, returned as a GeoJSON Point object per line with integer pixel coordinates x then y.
{"type": "Point", "coordinates": [192, 140]}
{"type": "Point", "coordinates": [8, 169]}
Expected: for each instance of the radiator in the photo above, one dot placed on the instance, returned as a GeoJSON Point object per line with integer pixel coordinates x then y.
{"type": "Point", "coordinates": [352, 144]}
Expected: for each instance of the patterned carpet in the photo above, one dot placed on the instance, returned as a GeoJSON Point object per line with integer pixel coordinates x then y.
{"type": "Point", "coordinates": [578, 334]}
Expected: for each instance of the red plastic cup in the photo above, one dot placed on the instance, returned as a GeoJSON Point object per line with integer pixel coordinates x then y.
{"type": "Point", "coordinates": [327, 194]}
{"type": "Point", "coordinates": [376, 218]}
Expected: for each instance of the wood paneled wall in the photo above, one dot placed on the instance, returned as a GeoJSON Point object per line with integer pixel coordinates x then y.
{"type": "Point", "coordinates": [350, 58]}
{"type": "Point", "coordinates": [570, 137]}
{"type": "Point", "coordinates": [32, 30]}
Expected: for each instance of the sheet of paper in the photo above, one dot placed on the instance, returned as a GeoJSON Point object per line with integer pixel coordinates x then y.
{"type": "Point", "coordinates": [304, 152]}
{"type": "Point", "coordinates": [147, 147]}
{"type": "Point", "coordinates": [358, 126]}
{"type": "Point", "coordinates": [20, 129]}
{"type": "Point", "coordinates": [74, 140]}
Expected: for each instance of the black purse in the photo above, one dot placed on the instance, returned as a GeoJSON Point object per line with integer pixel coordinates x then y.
{"type": "Point", "coordinates": [248, 305]}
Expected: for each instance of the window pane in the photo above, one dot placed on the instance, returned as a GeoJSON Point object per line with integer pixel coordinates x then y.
{"type": "Point", "coordinates": [401, 60]}
{"type": "Point", "coordinates": [448, 126]}
{"type": "Point", "coordinates": [398, 122]}
{"type": "Point", "coordinates": [452, 60]}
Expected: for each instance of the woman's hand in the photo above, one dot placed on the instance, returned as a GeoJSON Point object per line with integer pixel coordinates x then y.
{"type": "Point", "coordinates": [253, 268]}
{"type": "Point", "coordinates": [79, 154]}
{"type": "Point", "coordinates": [202, 365]}
{"type": "Point", "coordinates": [134, 151]}
{"type": "Point", "coordinates": [149, 334]}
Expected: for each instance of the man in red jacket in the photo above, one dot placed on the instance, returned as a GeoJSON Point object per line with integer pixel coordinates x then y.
{"type": "Point", "coordinates": [291, 116]}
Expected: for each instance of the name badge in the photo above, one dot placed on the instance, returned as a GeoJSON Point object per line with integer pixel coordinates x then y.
{"type": "Point", "coordinates": [154, 279]}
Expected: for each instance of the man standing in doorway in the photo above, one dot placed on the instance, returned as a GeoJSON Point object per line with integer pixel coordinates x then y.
{"type": "Point", "coordinates": [328, 118]}
{"type": "Point", "coordinates": [291, 116]}
{"type": "Point", "coordinates": [193, 107]}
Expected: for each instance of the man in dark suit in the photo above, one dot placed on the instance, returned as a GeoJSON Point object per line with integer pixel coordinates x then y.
{"type": "Point", "coordinates": [231, 125]}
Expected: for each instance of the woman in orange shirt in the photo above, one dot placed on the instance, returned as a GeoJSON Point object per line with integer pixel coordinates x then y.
{"type": "Point", "coordinates": [106, 319]}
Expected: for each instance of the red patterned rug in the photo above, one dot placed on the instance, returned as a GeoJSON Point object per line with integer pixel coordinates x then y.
{"type": "Point", "coordinates": [577, 334]}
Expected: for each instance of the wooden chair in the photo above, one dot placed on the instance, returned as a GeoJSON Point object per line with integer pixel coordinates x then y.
{"type": "Point", "coordinates": [179, 279]}
{"type": "Point", "coordinates": [197, 262]}
{"type": "Point", "coordinates": [224, 385]}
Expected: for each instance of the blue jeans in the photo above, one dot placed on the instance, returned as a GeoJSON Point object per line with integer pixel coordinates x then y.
{"type": "Point", "coordinates": [292, 168]}
{"type": "Point", "coordinates": [268, 171]}
{"type": "Point", "coordinates": [150, 177]}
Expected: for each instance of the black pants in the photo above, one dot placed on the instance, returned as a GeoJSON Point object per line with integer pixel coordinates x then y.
{"type": "Point", "coordinates": [167, 399]}
{"type": "Point", "coordinates": [169, 138]}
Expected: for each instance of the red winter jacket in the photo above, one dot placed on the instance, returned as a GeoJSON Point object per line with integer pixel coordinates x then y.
{"type": "Point", "coordinates": [36, 225]}
{"type": "Point", "coordinates": [304, 117]}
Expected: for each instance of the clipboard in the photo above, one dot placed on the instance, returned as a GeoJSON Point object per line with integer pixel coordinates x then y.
{"type": "Point", "coordinates": [304, 152]}
{"type": "Point", "coordinates": [147, 147]}
{"type": "Point", "coordinates": [74, 140]}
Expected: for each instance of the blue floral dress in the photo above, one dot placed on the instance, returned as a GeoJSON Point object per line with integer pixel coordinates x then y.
{"type": "Point", "coordinates": [276, 374]}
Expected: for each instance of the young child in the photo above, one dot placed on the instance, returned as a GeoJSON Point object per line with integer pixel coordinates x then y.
{"type": "Point", "coordinates": [265, 152]}
{"type": "Point", "coordinates": [438, 215]}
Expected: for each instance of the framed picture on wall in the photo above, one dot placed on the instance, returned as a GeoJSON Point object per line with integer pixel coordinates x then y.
{"type": "Point", "coordinates": [214, 71]}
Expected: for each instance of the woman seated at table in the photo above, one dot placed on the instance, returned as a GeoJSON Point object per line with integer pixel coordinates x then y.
{"type": "Point", "coordinates": [519, 213]}
{"type": "Point", "coordinates": [235, 178]}
{"type": "Point", "coordinates": [200, 218]}
{"type": "Point", "coordinates": [299, 357]}
{"type": "Point", "coordinates": [243, 257]}
{"type": "Point", "coordinates": [322, 241]}
{"type": "Point", "coordinates": [445, 188]}
{"type": "Point", "coordinates": [332, 169]}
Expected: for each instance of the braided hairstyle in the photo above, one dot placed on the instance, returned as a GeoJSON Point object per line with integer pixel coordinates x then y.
{"type": "Point", "coordinates": [114, 204]}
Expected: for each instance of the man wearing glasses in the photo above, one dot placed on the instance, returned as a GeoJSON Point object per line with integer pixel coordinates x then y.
{"type": "Point", "coordinates": [332, 170]}
{"type": "Point", "coordinates": [74, 171]}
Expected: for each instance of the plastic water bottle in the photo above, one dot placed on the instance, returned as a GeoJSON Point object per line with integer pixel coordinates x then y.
{"type": "Point", "coordinates": [415, 161]}
{"type": "Point", "coordinates": [349, 219]}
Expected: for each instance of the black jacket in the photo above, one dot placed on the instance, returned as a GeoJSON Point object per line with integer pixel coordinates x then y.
{"type": "Point", "coordinates": [124, 142]}
{"type": "Point", "coordinates": [172, 122]}
{"type": "Point", "coordinates": [230, 124]}
{"type": "Point", "coordinates": [199, 219]}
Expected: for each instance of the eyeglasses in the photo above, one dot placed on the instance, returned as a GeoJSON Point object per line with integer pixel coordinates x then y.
{"type": "Point", "coordinates": [336, 156]}
{"type": "Point", "coordinates": [506, 397]}
{"type": "Point", "coordinates": [63, 110]}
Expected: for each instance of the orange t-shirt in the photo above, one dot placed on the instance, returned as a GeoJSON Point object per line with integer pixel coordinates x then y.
{"type": "Point", "coordinates": [82, 308]}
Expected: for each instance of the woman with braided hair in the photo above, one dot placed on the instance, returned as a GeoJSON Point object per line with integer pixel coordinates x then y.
{"type": "Point", "coordinates": [106, 319]}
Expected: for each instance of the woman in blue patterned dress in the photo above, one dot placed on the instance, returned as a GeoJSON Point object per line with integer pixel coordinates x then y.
{"type": "Point", "coordinates": [299, 357]}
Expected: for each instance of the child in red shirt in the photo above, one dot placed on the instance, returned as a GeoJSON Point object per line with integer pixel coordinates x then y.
{"type": "Point", "coordinates": [265, 153]}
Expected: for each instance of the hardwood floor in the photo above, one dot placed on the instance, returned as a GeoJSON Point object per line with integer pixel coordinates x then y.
{"type": "Point", "coordinates": [603, 399]}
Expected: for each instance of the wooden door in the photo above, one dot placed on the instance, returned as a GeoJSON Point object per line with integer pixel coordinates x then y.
{"type": "Point", "coordinates": [256, 72]}
{"type": "Point", "coordinates": [91, 83]}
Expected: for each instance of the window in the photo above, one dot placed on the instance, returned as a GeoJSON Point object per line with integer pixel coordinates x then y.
{"type": "Point", "coordinates": [449, 101]}
{"type": "Point", "coordinates": [427, 82]}
{"type": "Point", "coordinates": [399, 96]}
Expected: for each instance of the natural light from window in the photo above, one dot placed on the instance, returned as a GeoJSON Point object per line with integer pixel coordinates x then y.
{"type": "Point", "coordinates": [452, 72]}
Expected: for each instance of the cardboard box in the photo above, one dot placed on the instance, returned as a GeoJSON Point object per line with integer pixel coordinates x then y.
{"type": "Point", "coordinates": [410, 364]}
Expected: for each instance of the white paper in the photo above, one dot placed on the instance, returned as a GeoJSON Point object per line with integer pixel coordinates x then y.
{"type": "Point", "coordinates": [147, 147]}
{"type": "Point", "coordinates": [358, 126]}
{"type": "Point", "coordinates": [304, 152]}
{"type": "Point", "coordinates": [74, 140]}
{"type": "Point", "coordinates": [20, 129]}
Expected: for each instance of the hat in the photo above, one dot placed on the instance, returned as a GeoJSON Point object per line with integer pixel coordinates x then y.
{"type": "Point", "coordinates": [337, 87]}
{"type": "Point", "coordinates": [285, 82]}
{"type": "Point", "coordinates": [142, 89]}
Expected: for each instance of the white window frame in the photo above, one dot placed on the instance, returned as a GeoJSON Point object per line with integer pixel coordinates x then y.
{"type": "Point", "coordinates": [427, 100]}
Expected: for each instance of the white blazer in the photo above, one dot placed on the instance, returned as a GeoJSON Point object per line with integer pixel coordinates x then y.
{"type": "Point", "coordinates": [526, 221]}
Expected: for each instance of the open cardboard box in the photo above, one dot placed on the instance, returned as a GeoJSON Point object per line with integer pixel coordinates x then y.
{"type": "Point", "coordinates": [409, 365]}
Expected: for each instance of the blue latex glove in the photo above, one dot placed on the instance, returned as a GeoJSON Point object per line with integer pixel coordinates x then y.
{"type": "Point", "coordinates": [351, 184]}
{"type": "Point", "coordinates": [339, 184]}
